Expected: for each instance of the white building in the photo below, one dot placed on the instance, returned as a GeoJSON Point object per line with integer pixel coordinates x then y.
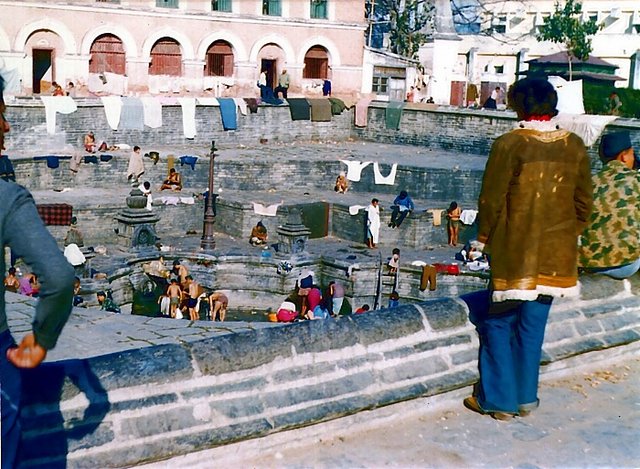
{"type": "Point", "coordinates": [500, 38]}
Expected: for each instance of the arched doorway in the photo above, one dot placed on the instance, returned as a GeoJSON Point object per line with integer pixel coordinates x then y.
{"type": "Point", "coordinates": [43, 46]}
{"type": "Point", "coordinates": [219, 60]}
{"type": "Point", "coordinates": [166, 58]}
{"type": "Point", "coordinates": [107, 55]}
{"type": "Point", "coordinates": [271, 58]}
{"type": "Point", "coordinates": [316, 63]}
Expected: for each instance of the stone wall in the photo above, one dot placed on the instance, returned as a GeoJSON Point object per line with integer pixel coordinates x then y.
{"type": "Point", "coordinates": [156, 402]}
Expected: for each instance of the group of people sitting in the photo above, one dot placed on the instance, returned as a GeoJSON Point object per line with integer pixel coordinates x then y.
{"type": "Point", "coordinates": [27, 284]}
{"type": "Point", "coordinates": [307, 302]}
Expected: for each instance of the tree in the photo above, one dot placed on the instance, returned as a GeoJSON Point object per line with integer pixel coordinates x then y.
{"type": "Point", "coordinates": [408, 22]}
{"type": "Point", "coordinates": [566, 26]}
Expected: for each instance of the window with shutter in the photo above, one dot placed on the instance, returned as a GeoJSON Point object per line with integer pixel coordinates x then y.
{"type": "Point", "coordinates": [319, 9]}
{"type": "Point", "coordinates": [271, 7]}
{"type": "Point", "coordinates": [220, 5]}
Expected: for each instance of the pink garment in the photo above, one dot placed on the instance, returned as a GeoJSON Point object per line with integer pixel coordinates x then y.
{"type": "Point", "coordinates": [313, 298]}
{"type": "Point", "coordinates": [362, 110]}
{"type": "Point", "coordinates": [285, 315]}
{"type": "Point", "coordinates": [25, 286]}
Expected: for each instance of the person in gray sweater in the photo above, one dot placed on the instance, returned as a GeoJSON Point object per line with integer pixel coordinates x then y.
{"type": "Point", "coordinates": [23, 231]}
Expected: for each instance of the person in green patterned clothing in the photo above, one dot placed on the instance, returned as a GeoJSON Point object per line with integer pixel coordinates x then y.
{"type": "Point", "coordinates": [610, 244]}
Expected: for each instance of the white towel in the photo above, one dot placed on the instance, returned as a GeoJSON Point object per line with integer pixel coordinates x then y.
{"type": "Point", "coordinates": [388, 180]}
{"type": "Point", "coordinates": [187, 200]}
{"type": "Point", "coordinates": [53, 104]}
{"type": "Point", "coordinates": [267, 211]}
{"type": "Point", "coordinates": [587, 127]}
{"type": "Point", "coordinates": [354, 209]}
{"type": "Point", "coordinates": [468, 216]}
{"type": "Point", "coordinates": [112, 107]}
{"type": "Point", "coordinates": [241, 104]}
{"type": "Point", "coordinates": [208, 102]}
{"type": "Point", "coordinates": [354, 169]}
{"type": "Point", "coordinates": [169, 200]}
{"type": "Point", "coordinates": [152, 108]}
{"type": "Point", "coordinates": [188, 116]}
{"type": "Point", "coordinates": [419, 263]}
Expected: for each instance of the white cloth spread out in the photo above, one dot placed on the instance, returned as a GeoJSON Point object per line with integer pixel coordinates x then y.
{"type": "Point", "coordinates": [112, 107]}
{"type": "Point", "coordinates": [241, 104]}
{"type": "Point", "coordinates": [152, 108]}
{"type": "Point", "coordinates": [468, 216]}
{"type": "Point", "coordinates": [208, 101]}
{"type": "Point", "coordinates": [354, 169]}
{"type": "Point", "coordinates": [53, 104]}
{"type": "Point", "coordinates": [586, 126]}
{"type": "Point", "coordinates": [187, 200]}
{"type": "Point", "coordinates": [73, 255]}
{"type": "Point", "coordinates": [354, 209]}
{"type": "Point", "coordinates": [188, 116]}
{"type": "Point", "coordinates": [388, 180]}
{"type": "Point", "coordinates": [570, 99]}
{"type": "Point", "coordinates": [419, 263]}
{"type": "Point", "coordinates": [362, 110]}
{"type": "Point", "coordinates": [267, 211]}
{"type": "Point", "coordinates": [168, 200]}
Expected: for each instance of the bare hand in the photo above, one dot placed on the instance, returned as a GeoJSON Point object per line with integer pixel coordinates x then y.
{"type": "Point", "coordinates": [28, 354]}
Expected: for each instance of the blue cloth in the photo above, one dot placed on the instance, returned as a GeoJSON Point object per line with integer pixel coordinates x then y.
{"type": "Point", "coordinates": [189, 160]}
{"type": "Point", "coordinates": [132, 114]}
{"type": "Point", "coordinates": [326, 88]}
{"type": "Point", "coordinates": [106, 158]}
{"type": "Point", "coordinates": [53, 161]}
{"type": "Point", "coordinates": [10, 387]}
{"type": "Point", "coordinates": [91, 159]}
{"type": "Point", "coordinates": [6, 169]}
{"type": "Point", "coordinates": [620, 272]}
{"type": "Point", "coordinates": [299, 109]}
{"type": "Point", "coordinates": [228, 113]}
{"type": "Point", "coordinates": [510, 352]}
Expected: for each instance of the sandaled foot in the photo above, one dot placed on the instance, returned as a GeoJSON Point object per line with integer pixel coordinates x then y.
{"type": "Point", "coordinates": [471, 403]}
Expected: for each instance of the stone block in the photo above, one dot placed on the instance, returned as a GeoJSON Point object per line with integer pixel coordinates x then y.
{"type": "Point", "coordinates": [301, 372]}
{"type": "Point", "coordinates": [250, 384]}
{"type": "Point", "coordinates": [444, 313]}
{"type": "Point", "coordinates": [612, 339]}
{"type": "Point", "coordinates": [464, 356]}
{"type": "Point", "coordinates": [367, 360]}
{"type": "Point", "coordinates": [319, 390]}
{"type": "Point", "coordinates": [411, 370]}
{"type": "Point", "coordinates": [324, 411]}
{"type": "Point", "coordinates": [557, 332]}
{"type": "Point", "coordinates": [237, 408]}
{"type": "Point", "coordinates": [161, 421]}
{"type": "Point", "coordinates": [451, 381]}
{"type": "Point", "coordinates": [621, 321]}
{"type": "Point", "coordinates": [635, 284]}
{"type": "Point", "coordinates": [600, 309]}
{"type": "Point", "coordinates": [577, 347]}
{"type": "Point", "coordinates": [594, 286]}
{"type": "Point", "coordinates": [588, 327]}
{"type": "Point", "coordinates": [386, 324]}
{"type": "Point", "coordinates": [558, 316]}
{"type": "Point", "coordinates": [427, 345]}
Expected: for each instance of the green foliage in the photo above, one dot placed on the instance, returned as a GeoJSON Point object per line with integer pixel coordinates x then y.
{"type": "Point", "coordinates": [596, 99]}
{"type": "Point", "coordinates": [566, 26]}
{"type": "Point", "coordinates": [408, 24]}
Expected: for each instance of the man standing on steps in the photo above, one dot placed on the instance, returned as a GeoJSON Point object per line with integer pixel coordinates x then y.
{"type": "Point", "coordinates": [535, 200]}
{"type": "Point", "coordinates": [283, 84]}
{"type": "Point", "coordinates": [23, 231]}
{"type": "Point", "coordinates": [373, 223]}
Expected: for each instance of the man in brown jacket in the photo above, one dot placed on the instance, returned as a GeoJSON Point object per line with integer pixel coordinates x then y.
{"type": "Point", "coordinates": [535, 200]}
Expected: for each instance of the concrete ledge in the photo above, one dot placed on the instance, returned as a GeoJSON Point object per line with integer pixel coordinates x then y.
{"type": "Point", "coordinates": [156, 402]}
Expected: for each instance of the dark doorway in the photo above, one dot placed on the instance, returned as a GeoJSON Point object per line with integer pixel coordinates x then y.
{"type": "Point", "coordinates": [42, 62]}
{"type": "Point", "coordinates": [270, 66]}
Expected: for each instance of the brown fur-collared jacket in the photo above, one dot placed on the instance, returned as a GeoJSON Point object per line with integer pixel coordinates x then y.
{"type": "Point", "coordinates": [535, 200]}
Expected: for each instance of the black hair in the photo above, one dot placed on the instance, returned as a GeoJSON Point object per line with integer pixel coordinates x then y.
{"type": "Point", "coordinates": [453, 206]}
{"type": "Point", "coordinates": [136, 148]}
{"type": "Point", "coordinates": [374, 200]}
{"type": "Point", "coordinates": [533, 97]}
{"type": "Point", "coordinates": [12, 270]}
{"type": "Point", "coordinates": [366, 307]}
{"type": "Point", "coordinates": [395, 251]}
{"type": "Point", "coordinates": [403, 194]}
{"type": "Point", "coordinates": [146, 184]}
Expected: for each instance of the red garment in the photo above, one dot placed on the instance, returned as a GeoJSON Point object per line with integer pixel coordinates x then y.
{"type": "Point", "coordinates": [285, 315]}
{"type": "Point", "coordinates": [313, 298]}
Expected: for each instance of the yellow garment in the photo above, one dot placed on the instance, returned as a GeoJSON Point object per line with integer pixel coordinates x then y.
{"type": "Point", "coordinates": [437, 216]}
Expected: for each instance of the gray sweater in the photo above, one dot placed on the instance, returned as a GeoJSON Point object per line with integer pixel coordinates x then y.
{"type": "Point", "coordinates": [23, 231]}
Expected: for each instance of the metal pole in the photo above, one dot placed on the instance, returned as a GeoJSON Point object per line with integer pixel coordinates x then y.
{"type": "Point", "coordinates": [207, 242]}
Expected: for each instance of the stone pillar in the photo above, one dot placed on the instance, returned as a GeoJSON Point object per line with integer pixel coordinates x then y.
{"type": "Point", "coordinates": [293, 234]}
{"type": "Point", "coordinates": [634, 71]}
{"type": "Point", "coordinates": [521, 63]}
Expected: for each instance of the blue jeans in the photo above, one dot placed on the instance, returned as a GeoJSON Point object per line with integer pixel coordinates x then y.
{"type": "Point", "coordinates": [10, 386]}
{"type": "Point", "coordinates": [510, 351]}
